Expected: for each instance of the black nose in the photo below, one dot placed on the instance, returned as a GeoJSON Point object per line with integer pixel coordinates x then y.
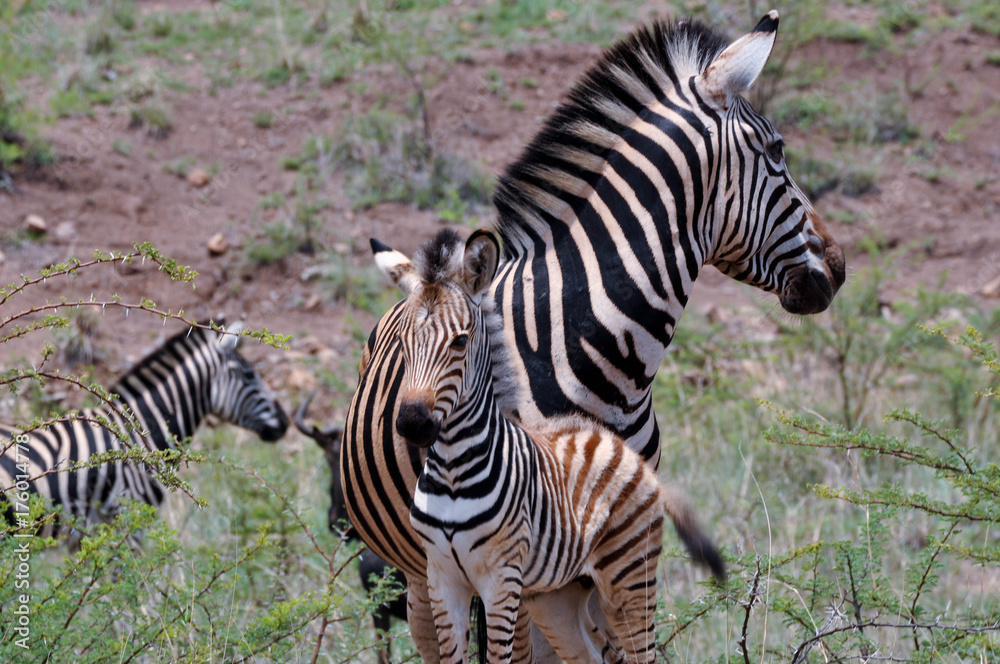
{"type": "Point", "coordinates": [416, 424]}
{"type": "Point", "coordinates": [271, 433]}
{"type": "Point", "coordinates": [809, 292]}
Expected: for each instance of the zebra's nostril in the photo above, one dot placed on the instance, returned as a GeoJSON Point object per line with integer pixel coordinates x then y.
{"type": "Point", "coordinates": [416, 424]}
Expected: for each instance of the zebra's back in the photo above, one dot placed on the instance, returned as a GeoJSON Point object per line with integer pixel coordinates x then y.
{"type": "Point", "coordinates": [38, 463]}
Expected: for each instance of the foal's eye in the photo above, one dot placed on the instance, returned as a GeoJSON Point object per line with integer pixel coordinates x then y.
{"type": "Point", "coordinates": [776, 150]}
{"type": "Point", "coordinates": [460, 342]}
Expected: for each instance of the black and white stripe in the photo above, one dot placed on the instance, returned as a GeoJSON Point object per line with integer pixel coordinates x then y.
{"type": "Point", "coordinates": [195, 373]}
{"type": "Point", "coordinates": [653, 168]}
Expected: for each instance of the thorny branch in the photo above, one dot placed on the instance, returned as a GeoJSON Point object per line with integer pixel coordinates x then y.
{"type": "Point", "coordinates": [874, 623]}
{"type": "Point", "coordinates": [748, 607]}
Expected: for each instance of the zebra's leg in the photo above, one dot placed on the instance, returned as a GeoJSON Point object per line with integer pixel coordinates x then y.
{"type": "Point", "coordinates": [421, 619]}
{"type": "Point", "coordinates": [524, 647]}
{"type": "Point", "coordinates": [450, 598]}
{"type": "Point", "coordinates": [505, 622]}
{"type": "Point", "coordinates": [564, 618]}
{"type": "Point", "coordinates": [629, 604]}
{"type": "Point", "coordinates": [543, 651]}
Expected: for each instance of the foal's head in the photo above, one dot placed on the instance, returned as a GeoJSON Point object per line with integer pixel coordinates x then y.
{"type": "Point", "coordinates": [441, 326]}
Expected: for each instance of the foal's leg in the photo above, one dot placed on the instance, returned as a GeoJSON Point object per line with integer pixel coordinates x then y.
{"type": "Point", "coordinates": [629, 604]}
{"type": "Point", "coordinates": [450, 598]}
{"type": "Point", "coordinates": [506, 624]}
{"type": "Point", "coordinates": [563, 616]}
{"type": "Point", "coordinates": [524, 651]}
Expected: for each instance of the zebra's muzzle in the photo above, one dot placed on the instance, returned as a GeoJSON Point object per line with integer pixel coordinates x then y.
{"type": "Point", "coordinates": [808, 292]}
{"type": "Point", "coordinates": [270, 431]}
{"type": "Point", "coordinates": [416, 424]}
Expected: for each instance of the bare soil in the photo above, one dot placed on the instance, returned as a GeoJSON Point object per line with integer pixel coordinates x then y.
{"type": "Point", "coordinates": [112, 200]}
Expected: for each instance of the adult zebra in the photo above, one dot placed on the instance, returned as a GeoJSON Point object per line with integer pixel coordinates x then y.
{"type": "Point", "coordinates": [654, 167]}
{"type": "Point", "coordinates": [195, 373]}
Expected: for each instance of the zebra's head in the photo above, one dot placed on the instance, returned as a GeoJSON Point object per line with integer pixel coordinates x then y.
{"type": "Point", "coordinates": [763, 229]}
{"type": "Point", "coordinates": [239, 395]}
{"type": "Point", "coordinates": [441, 327]}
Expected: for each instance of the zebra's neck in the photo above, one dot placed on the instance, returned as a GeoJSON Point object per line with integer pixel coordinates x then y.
{"type": "Point", "coordinates": [168, 394]}
{"type": "Point", "coordinates": [623, 259]}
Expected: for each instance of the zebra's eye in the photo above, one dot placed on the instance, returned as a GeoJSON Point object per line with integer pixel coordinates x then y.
{"type": "Point", "coordinates": [460, 342]}
{"type": "Point", "coordinates": [776, 151]}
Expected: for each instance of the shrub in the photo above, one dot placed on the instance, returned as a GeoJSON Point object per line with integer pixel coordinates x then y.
{"type": "Point", "coordinates": [250, 580]}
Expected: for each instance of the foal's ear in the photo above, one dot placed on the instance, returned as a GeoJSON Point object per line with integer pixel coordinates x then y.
{"type": "Point", "coordinates": [737, 67]}
{"type": "Point", "coordinates": [400, 269]}
{"type": "Point", "coordinates": [482, 255]}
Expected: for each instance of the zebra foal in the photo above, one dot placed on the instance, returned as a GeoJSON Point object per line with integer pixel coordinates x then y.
{"type": "Point", "coordinates": [195, 373]}
{"type": "Point", "coordinates": [506, 514]}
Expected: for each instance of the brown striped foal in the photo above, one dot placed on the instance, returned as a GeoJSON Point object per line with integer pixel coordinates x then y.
{"type": "Point", "coordinates": [509, 515]}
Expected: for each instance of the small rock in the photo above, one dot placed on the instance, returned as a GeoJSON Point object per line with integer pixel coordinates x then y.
{"type": "Point", "coordinates": [327, 356]}
{"type": "Point", "coordinates": [35, 223]}
{"type": "Point", "coordinates": [311, 302]}
{"type": "Point", "coordinates": [241, 142]}
{"type": "Point", "coordinates": [556, 15]}
{"type": "Point", "coordinates": [467, 27]}
{"type": "Point", "coordinates": [718, 315]}
{"type": "Point", "coordinates": [217, 245]}
{"type": "Point", "coordinates": [341, 248]}
{"type": "Point", "coordinates": [992, 289]}
{"type": "Point", "coordinates": [2, 258]}
{"type": "Point", "coordinates": [65, 232]}
{"type": "Point", "coordinates": [300, 379]}
{"type": "Point", "coordinates": [198, 177]}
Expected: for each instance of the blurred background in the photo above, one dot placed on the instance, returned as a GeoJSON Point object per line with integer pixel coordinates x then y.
{"type": "Point", "coordinates": [262, 142]}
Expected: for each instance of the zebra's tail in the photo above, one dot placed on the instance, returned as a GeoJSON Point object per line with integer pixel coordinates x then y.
{"type": "Point", "coordinates": [701, 548]}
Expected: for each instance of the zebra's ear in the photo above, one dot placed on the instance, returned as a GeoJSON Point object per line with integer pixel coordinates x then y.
{"type": "Point", "coordinates": [738, 67]}
{"type": "Point", "coordinates": [400, 269]}
{"type": "Point", "coordinates": [228, 342]}
{"type": "Point", "coordinates": [482, 256]}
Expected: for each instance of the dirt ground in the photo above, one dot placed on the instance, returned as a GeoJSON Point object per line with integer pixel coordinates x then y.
{"type": "Point", "coordinates": [97, 198]}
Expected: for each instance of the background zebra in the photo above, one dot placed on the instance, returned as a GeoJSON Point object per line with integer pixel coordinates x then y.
{"type": "Point", "coordinates": [509, 514]}
{"type": "Point", "coordinates": [654, 167]}
{"type": "Point", "coordinates": [195, 373]}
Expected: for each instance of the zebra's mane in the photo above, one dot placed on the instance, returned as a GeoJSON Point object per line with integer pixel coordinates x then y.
{"type": "Point", "coordinates": [575, 141]}
{"type": "Point", "coordinates": [436, 258]}
{"type": "Point", "coordinates": [165, 352]}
